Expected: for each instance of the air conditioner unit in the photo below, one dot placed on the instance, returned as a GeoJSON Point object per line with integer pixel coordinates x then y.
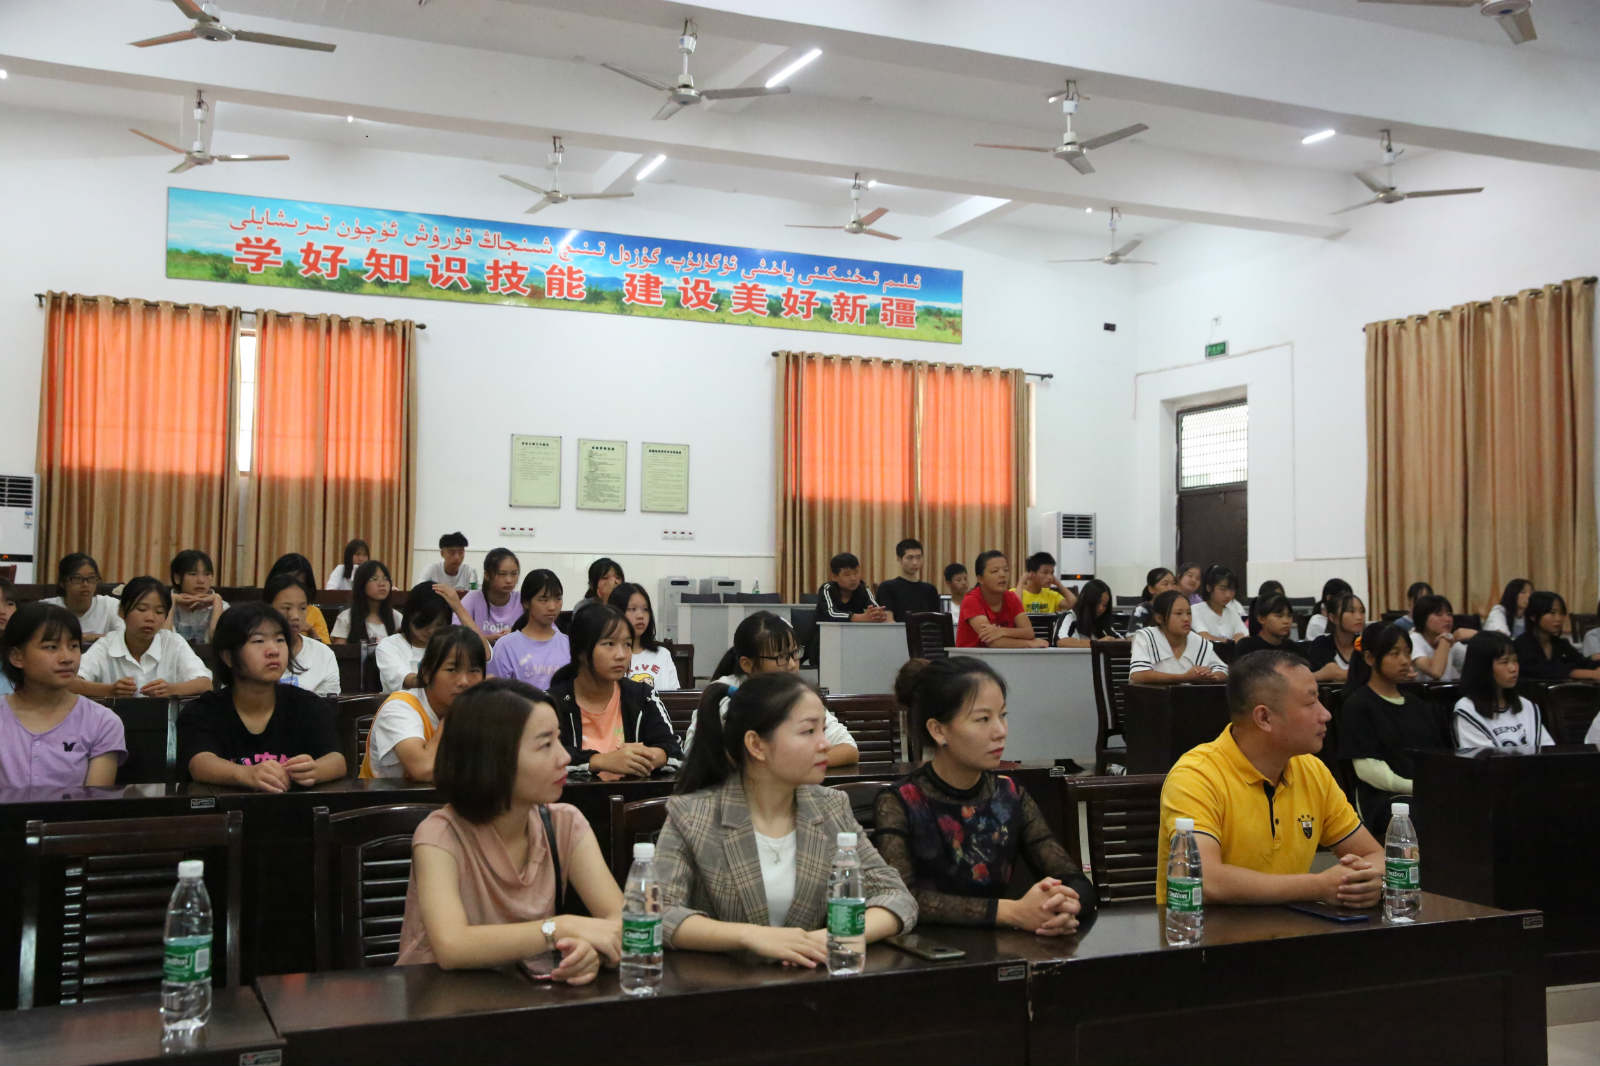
{"type": "Point", "coordinates": [720, 586]}
{"type": "Point", "coordinates": [669, 597]}
{"type": "Point", "coordinates": [1072, 538]}
{"type": "Point", "coordinates": [18, 533]}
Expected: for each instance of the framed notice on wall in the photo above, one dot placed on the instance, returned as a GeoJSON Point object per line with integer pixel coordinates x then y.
{"type": "Point", "coordinates": [664, 478]}
{"type": "Point", "coordinates": [602, 475]}
{"type": "Point", "coordinates": [535, 471]}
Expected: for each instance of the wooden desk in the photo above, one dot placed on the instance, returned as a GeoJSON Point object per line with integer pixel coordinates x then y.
{"type": "Point", "coordinates": [860, 656]}
{"type": "Point", "coordinates": [1049, 701]}
{"type": "Point", "coordinates": [126, 1030]}
{"type": "Point", "coordinates": [709, 1009]}
{"type": "Point", "coordinates": [1518, 833]}
{"type": "Point", "coordinates": [1161, 722]}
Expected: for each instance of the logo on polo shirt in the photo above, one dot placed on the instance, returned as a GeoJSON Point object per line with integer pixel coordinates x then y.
{"type": "Point", "coordinates": [68, 745]}
{"type": "Point", "coordinates": [1306, 822]}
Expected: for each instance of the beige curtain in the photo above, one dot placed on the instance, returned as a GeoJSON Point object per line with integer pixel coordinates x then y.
{"type": "Point", "coordinates": [1480, 449]}
{"type": "Point", "coordinates": [872, 451]}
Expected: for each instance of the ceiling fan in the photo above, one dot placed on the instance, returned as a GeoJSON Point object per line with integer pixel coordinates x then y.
{"type": "Point", "coordinates": [554, 195]}
{"type": "Point", "coordinates": [682, 93]}
{"type": "Point", "coordinates": [1388, 193]}
{"type": "Point", "coordinates": [1116, 256]}
{"type": "Point", "coordinates": [1514, 16]}
{"type": "Point", "coordinates": [200, 155]}
{"type": "Point", "coordinates": [1071, 149]}
{"type": "Point", "coordinates": [858, 223]}
{"type": "Point", "coordinates": [208, 27]}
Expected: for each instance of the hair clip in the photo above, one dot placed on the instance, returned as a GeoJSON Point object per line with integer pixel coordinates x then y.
{"type": "Point", "coordinates": [1358, 642]}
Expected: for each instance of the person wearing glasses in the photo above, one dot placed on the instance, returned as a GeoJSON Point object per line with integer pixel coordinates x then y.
{"type": "Point", "coordinates": [78, 576]}
{"type": "Point", "coordinates": [764, 643]}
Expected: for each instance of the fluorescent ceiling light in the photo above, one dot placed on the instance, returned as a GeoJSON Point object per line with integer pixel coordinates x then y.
{"type": "Point", "coordinates": [3, 74]}
{"type": "Point", "coordinates": [649, 168]}
{"type": "Point", "coordinates": [1088, 210]}
{"type": "Point", "coordinates": [789, 71]}
{"type": "Point", "coordinates": [872, 183]}
{"type": "Point", "coordinates": [1313, 138]}
{"type": "Point", "coordinates": [349, 118]}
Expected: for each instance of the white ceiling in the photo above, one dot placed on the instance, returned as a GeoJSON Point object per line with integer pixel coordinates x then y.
{"type": "Point", "coordinates": [1569, 27]}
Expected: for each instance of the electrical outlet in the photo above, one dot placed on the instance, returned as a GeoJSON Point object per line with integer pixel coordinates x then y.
{"type": "Point", "coordinates": [677, 534]}
{"type": "Point", "coordinates": [516, 531]}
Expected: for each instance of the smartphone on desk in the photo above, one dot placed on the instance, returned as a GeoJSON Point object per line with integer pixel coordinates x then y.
{"type": "Point", "coordinates": [1330, 911]}
{"type": "Point", "coordinates": [923, 948]}
{"type": "Point", "coordinates": [539, 967]}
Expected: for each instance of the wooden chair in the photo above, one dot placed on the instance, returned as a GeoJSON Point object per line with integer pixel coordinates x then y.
{"type": "Point", "coordinates": [9, 572]}
{"type": "Point", "coordinates": [35, 592]}
{"type": "Point", "coordinates": [1468, 621]}
{"type": "Point", "coordinates": [1226, 650]}
{"type": "Point", "coordinates": [1390, 616]}
{"type": "Point", "coordinates": [1581, 624]}
{"type": "Point", "coordinates": [358, 668]}
{"type": "Point", "coordinates": [874, 722]}
{"type": "Point", "coordinates": [929, 634]}
{"type": "Point", "coordinates": [332, 601]}
{"type": "Point", "coordinates": [680, 706]}
{"type": "Point", "coordinates": [361, 866]}
{"type": "Point", "coordinates": [564, 621]}
{"type": "Point", "coordinates": [864, 803]}
{"type": "Point", "coordinates": [757, 597]}
{"type": "Point", "coordinates": [239, 593]}
{"type": "Point", "coordinates": [206, 654]}
{"type": "Point", "coordinates": [1044, 627]}
{"type": "Point", "coordinates": [1110, 665]}
{"type": "Point", "coordinates": [1123, 819]}
{"type": "Point", "coordinates": [682, 661]}
{"type": "Point", "coordinates": [1568, 709]}
{"type": "Point", "coordinates": [631, 823]}
{"type": "Point", "coordinates": [150, 729]}
{"type": "Point", "coordinates": [94, 901]}
{"type": "Point", "coordinates": [804, 621]}
{"type": "Point", "coordinates": [355, 715]}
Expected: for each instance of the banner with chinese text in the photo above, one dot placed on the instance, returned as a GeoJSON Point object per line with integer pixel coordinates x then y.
{"type": "Point", "coordinates": [259, 240]}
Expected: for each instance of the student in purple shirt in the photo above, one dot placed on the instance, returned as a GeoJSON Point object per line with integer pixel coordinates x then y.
{"type": "Point", "coordinates": [495, 607]}
{"type": "Point", "coordinates": [49, 735]}
{"type": "Point", "coordinates": [535, 649]}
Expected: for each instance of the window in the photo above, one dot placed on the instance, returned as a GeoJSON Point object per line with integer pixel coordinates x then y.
{"type": "Point", "coordinates": [1213, 446]}
{"type": "Point", "coordinates": [245, 396]}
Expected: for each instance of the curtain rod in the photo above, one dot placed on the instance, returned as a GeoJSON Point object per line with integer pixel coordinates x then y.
{"type": "Point", "coordinates": [1025, 373]}
{"type": "Point", "coordinates": [40, 297]}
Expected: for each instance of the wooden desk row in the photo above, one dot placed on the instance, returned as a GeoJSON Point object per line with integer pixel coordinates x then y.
{"type": "Point", "coordinates": [1267, 985]}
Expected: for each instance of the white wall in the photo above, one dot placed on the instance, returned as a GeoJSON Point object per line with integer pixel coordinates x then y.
{"type": "Point", "coordinates": [87, 207]}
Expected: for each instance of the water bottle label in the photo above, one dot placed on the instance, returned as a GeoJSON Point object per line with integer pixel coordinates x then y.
{"type": "Point", "coordinates": [641, 934]}
{"type": "Point", "coordinates": [187, 959]}
{"type": "Point", "coordinates": [1402, 873]}
{"type": "Point", "coordinates": [1183, 894]}
{"type": "Point", "coordinates": [847, 917]}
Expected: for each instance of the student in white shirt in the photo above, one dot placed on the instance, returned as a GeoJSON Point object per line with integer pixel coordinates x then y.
{"type": "Point", "coordinates": [429, 608]}
{"type": "Point", "coordinates": [78, 576]}
{"type": "Point", "coordinates": [144, 658]}
{"type": "Point", "coordinates": [405, 733]}
{"type": "Point", "coordinates": [312, 664]}
{"type": "Point", "coordinates": [1490, 716]}
{"type": "Point", "coordinates": [1217, 616]}
{"type": "Point", "coordinates": [1168, 653]}
{"type": "Point", "coordinates": [1437, 648]}
{"type": "Point", "coordinates": [1507, 615]}
{"type": "Point", "coordinates": [1322, 621]}
{"type": "Point", "coordinates": [652, 660]}
{"type": "Point", "coordinates": [452, 569]}
{"type": "Point", "coordinates": [369, 603]}
{"type": "Point", "coordinates": [343, 576]}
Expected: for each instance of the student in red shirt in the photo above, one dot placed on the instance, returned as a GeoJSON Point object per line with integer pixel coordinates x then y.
{"type": "Point", "coordinates": [992, 615]}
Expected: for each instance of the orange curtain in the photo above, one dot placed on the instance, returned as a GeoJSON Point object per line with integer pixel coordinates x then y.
{"type": "Point", "coordinates": [872, 451]}
{"type": "Point", "coordinates": [335, 440]}
{"type": "Point", "coordinates": [135, 459]}
{"type": "Point", "coordinates": [1480, 448]}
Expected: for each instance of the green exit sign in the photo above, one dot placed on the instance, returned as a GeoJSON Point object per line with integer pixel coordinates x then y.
{"type": "Point", "coordinates": [1219, 348]}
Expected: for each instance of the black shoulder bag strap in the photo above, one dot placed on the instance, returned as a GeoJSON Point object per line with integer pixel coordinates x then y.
{"type": "Point", "coordinates": [555, 859]}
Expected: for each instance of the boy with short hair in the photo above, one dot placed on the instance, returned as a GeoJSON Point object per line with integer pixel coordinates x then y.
{"type": "Point", "coordinates": [1039, 591]}
{"type": "Point", "coordinates": [908, 593]}
{"type": "Point", "coordinates": [846, 597]}
{"type": "Point", "coordinates": [957, 583]}
{"type": "Point", "coordinates": [452, 570]}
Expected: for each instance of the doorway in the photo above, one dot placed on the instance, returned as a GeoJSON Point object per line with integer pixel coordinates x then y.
{"type": "Point", "coordinates": [1213, 483]}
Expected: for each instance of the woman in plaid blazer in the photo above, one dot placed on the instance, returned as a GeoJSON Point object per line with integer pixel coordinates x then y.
{"type": "Point", "coordinates": [752, 832]}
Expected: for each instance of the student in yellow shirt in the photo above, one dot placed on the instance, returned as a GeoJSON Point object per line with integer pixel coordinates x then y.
{"type": "Point", "coordinates": [1040, 592]}
{"type": "Point", "coordinates": [1262, 802]}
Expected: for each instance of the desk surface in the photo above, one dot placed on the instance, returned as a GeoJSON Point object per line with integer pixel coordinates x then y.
{"type": "Point", "coordinates": [127, 1030]}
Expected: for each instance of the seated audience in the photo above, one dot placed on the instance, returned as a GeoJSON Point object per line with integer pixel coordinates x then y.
{"type": "Point", "coordinates": [652, 660]}
{"type": "Point", "coordinates": [405, 733]}
{"type": "Point", "coordinates": [534, 649]}
{"type": "Point", "coordinates": [1271, 587]}
{"type": "Point", "coordinates": [1507, 616]}
{"type": "Point", "coordinates": [452, 568]}
{"type": "Point", "coordinates": [1271, 626]}
{"type": "Point", "coordinates": [751, 799]}
{"type": "Point", "coordinates": [8, 607]}
{"type": "Point", "coordinates": [1380, 726]}
{"type": "Point", "coordinates": [846, 598]}
{"type": "Point", "coordinates": [252, 732]}
{"type": "Point", "coordinates": [957, 583]}
{"type": "Point", "coordinates": [1263, 803]}
{"type": "Point", "coordinates": [1436, 648]}
{"type": "Point", "coordinates": [1157, 581]}
{"type": "Point", "coordinates": [298, 565]}
{"type": "Point", "coordinates": [1330, 654]}
{"type": "Point", "coordinates": [1414, 592]}
{"type": "Point", "coordinates": [429, 608]}
{"type": "Point", "coordinates": [312, 664]}
{"type": "Point", "coordinates": [492, 870]}
{"type": "Point", "coordinates": [1188, 582]}
{"type": "Point", "coordinates": [1090, 619]}
{"type": "Point", "coordinates": [954, 829]}
{"type": "Point", "coordinates": [604, 575]}
{"type": "Point", "coordinates": [1167, 652]}
{"type": "Point", "coordinates": [1040, 592]}
{"type": "Point", "coordinates": [610, 725]}
{"type": "Point", "coordinates": [496, 607]}
{"type": "Point", "coordinates": [356, 552]}
{"type": "Point", "coordinates": [196, 604]}
{"type": "Point", "coordinates": [369, 618]}
{"type": "Point", "coordinates": [144, 657]}
{"type": "Point", "coordinates": [1322, 621]}
{"type": "Point", "coordinates": [1217, 616]}
{"type": "Point", "coordinates": [1543, 653]}
{"type": "Point", "coordinates": [1490, 716]}
{"type": "Point", "coordinates": [908, 593]}
{"type": "Point", "coordinates": [51, 737]}
{"type": "Point", "coordinates": [78, 577]}
{"type": "Point", "coordinates": [992, 615]}
{"type": "Point", "coordinates": [1591, 640]}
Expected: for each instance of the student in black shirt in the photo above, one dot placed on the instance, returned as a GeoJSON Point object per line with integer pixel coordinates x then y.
{"type": "Point", "coordinates": [252, 732]}
{"type": "Point", "coordinates": [1332, 653]}
{"type": "Point", "coordinates": [1273, 621]}
{"type": "Point", "coordinates": [1381, 727]}
{"type": "Point", "coordinates": [902, 595]}
{"type": "Point", "coordinates": [846, 598]}
{"type": "Point", "coordinates": [1544, 654]}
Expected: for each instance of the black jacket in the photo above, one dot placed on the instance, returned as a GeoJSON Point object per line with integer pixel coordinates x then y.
{"type": "Point", "coordinates": [1563, 658]}
{"type": "Point", "coordinates": [902, 597]}
{"type": "Point", "coordinates": [644, 720]}
{"type": "Point", "coordinates": [834, 604]}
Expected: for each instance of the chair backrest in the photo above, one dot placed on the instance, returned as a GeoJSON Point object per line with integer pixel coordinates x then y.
{"type": "Point", "coordinates": [1128, 601]}
{"type": "Point", "coordinates": [864, 803]}
{"type": "Point", "coordinates": [150, 729]}
{"type": "Point", "coordinates": [804, 621]}
{"type": "Point", "coordinates": [1468, 621]}
{"type": "Point", "coordinates": [564, 621]}
{"type": "Point", "coordinates": [874, 721]}
{"type": "Point", "coordinates": [361, 866]}
{"type": "Point", "coordinates": [239, 593]}
{"type": "Point", "coordinates": [1390, 616]}
{"type": "Point", "coordinates": [1109, 659]}
{"type": "Point", "coordinates": [9, 571]}
{"type": "Point", "coordinates": [358, 668]}
{"type": "Point", "coordinates": [680, 707]}
{"type": "Point", "coordinates": [682, 662]}
{"type": "Point", "coordinates": [1581, 624]}
{"type": "Point", "coordinates": [1122, 816]}
{"type": "Point", "coordinates": [1569, 708]}
{"type": "Point", "coordinates": [701, 597]}
{"type": "Point", "coordinates": [354, 722]}
{"type": "Point", "coordinates": [1226, 650]}
{"type": "Point", "coordinates": [1044, 625]}
{"type": "Point", "coordinates": [206, 653]}
{"type": "Point", "coordinates": [929, 634]}
{"type": "Point", "coordinates": [757, 597]}
{"type": "Point", "coordinates": [631, 823]}
{"type": "Point", "coordinates": [94, 902]}
{"type": "Point", "coordinates": [33, 593]}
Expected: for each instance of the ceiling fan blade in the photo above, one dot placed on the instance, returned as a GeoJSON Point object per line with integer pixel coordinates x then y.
{"type": "Point", "coordinates": [1442, 192]}
{"type": "Point", "coordinates": [1096, 259]}
{"type": "Point", "coordinates": [193, 10]}
{"type": "Point", "coordinates": [1126, 248]}
{"type": "Point", "coordinates": [1141, 262]}
{"type": "Point", "coordinates": [1352, 207]}
{"type": "Point", "coordinates": [238, 158]}
{"type": "Point", "coordinates": [283, 42]}
{"type": "Point", "coordinates": [880, 233]}
{"type": "Point", "coordinates": [1114, 136]}
{"type": "Point", "coordinates": [642, 79]}
{"type": "Point", "coordinates": [1519, 27]}
{"type": "Point", "coordinates": [740, 94]}
{"type": "Point", "coordinates": [1371, 183]}
{"type": "Point", "coordinates": [157, 140]}
{"type": "Point", "coordinates": [872, 216]}
{"type": "Point", "coordinates": [1426, 3]}
{"type": "Point", "coordinates": [667, 110]}
{"type": "Point", "coordinates": [543, 203]}
{"type": "Point", "coordinates": [187, 164]}
{"type": "Point", "coordinates": [1015, 147]}
{"type": "Point", "coordinates": [525, 185]}
{"type": "Point", "coordinates": [171, 38]}
{"type": "Point", "coordinates": [1080, 163]}
{"type": "Point", "coordinates": [799, 225]}
{"type": "Point", "coordinates": [599, 195]}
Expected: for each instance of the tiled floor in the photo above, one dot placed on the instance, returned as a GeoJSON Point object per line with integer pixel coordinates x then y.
{"type": "Point", "coordinates": [1574, 1032]}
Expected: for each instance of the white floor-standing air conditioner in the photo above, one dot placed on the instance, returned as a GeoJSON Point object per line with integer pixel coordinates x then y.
{"type": "Point", "coordinates": [1071, 537]}
{"type": "Point", "coordinates": [18, 530]}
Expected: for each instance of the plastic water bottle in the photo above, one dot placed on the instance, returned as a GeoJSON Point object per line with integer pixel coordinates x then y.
{"type": "Point", "coordinates": [1402, 868]}
{"type": "Point", "coordinates": [757, 589]}
{"type": "Point", "coordinates": [847, 910]}
{"type": "Point", "coordinates": [1186, 915]}
{"type": "Point", "coordinates": [641, 925]}
{"type": "Point", "coordinates": [186, 968]}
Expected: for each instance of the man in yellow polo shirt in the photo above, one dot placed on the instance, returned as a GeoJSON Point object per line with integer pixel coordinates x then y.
{"type": "Point", "coordinates": [1262, 802]}
{"type": "Point", "coordinates": [1039, 591]}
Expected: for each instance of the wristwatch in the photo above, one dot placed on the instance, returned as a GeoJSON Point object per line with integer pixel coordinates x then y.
{"type": "Point", "coordinates": [549, 931]}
